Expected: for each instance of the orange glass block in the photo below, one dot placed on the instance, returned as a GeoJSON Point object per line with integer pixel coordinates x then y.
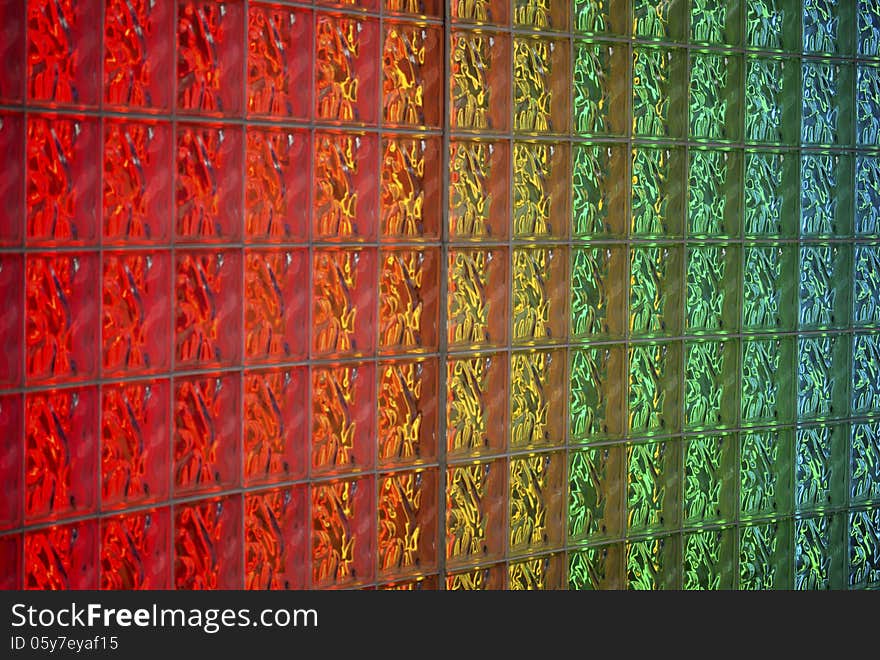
{"type": "Point", "coordinates": [418, 7]}
{"type": "Point", "coordinates": [476, 404]}
{"type": "Point", "coordinates": [207, 432]}
{"type": "Point", "coordinates": [408, 412]}
{"type": "Point", "coordinates": [64, 557]}
{"type": "Point", "coordinates": [136, 312]}
{"type": "Point", "coordinates": [10, 559]}
{"type": "Point", "coordinates": [11, 466]}
{"type": "Point", "coordinates": [343, 301]}
{"type": "Point", "coordinates": [407, 521]}
{"type": "Point", "coordinates": [479, 80]}
{"type": "Point", "coordinates": [475, 512]}
{"type": "Point", "coordinates": [136, 550]}
{"type": "Point", "coordinates": [276, 538]}
{"type": "Point", "coordinates": [370, 5]}
{"type": "Point", "coordinates": [274, 309]}
{"type": "Point", "coordinates": [210, 56]}
{"type": "Point", "coordinates": [479, 189]}
{"type": "Point", "coordinates": [12, 320]}
{"type": "Point", "coordinates": [207, 322]}
{"type": "Point", "coordinates": [137, 182]}
{"type": "Point", "coordinates": [410, 188]}
{"type": "Point", "coordinates": [485, 578]}
{"type": "Point", "coordinates": [421, 583]}
{"type": "Point", "coordinates": [342, 532]}
{"type": "Point", "coordinates": [276, 197]}
{"type": "Point", "coordinates": [62, 180]}
{"type": "Point", "coordinates": [204, 558]}
{"type": "Point", "coordinates": [346, 68]}
{"type": "Point", "coordinates": [275, 424]}
{"type": "Point", "coordinates": [134, 443]}
{"type": "Point", "coordinates": [62, 312]}
{"type": "Point", "coordinates": [12, 138]}
{"type": "Point", "coordinates": [409, 305]}
{"type": "Point", "coordinates": [63, 57]}
{"type": "Point", "coordinates": [138, 51]}
{"type": "Point", "coordinates": [279, 68]}
{"type": "Point", "coordinates": [346, 192]}
{"type": "Point", "coordinates": [208, 190]}
{"type": "Point", "coordinates": [343, 417]}
{"type": "Point", "coordinates": [477, 297]}
{"type": "Point", "coordinates": [412, 90]}
{"type": "Point", "coordinates": [12, 52]}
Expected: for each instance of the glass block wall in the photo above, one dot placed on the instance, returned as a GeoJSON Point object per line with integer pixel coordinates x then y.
{"type": "Point", "coordinates": [422, 295]}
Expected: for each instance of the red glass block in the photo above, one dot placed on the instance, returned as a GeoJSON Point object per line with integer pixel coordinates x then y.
{"type": "Point", "coordinates": [407, 521]}
{"type": "Point", "coordinates": [408, 415]}
{"type": "Point", "coordinates": [63, 55]}
{"type": "Point", "coordinates": [409, 198]}
{"type": "Point", "coordinates": [275, 424]}
{"type": "Point", "coordinates": [208, 320]}
{"type": "Point", "coordinates": [369, 5]}
{"type": "Point", "coordinates": [138, 51]}
{"type": "Point", "coordinates": [62, 180]}
{"type": "Point", "coordinates": [61, 453]}
{"type": "Point", "coordinates": [136, 550]}
{"type": "Point", "coordinates": [207, 544]}
{"type": "Point", "coordinates": [346, 69]}
{"type": "Point", "coordinates": [342, 532]}
{"type": "Point", "coordinates": [346, 189]}
{"type": "Point", "coordinates": [344, 301]}
{"type": "Point", "coordinates": [279, 67]}
{"type": "Point", "coordinates": [276, 197]}
{"type": "Point", "coordinates": [276, 538]}
{"type": "Point", "coordinates": [11, 466]}
{"type": "Point", "coordinates": [274, 307]}
{"type": "Point", "coordinates": [10, 560]}
{"type": "Point", "coordinates": [210, 56]}
{"type": "Point", "coordinates": [12, 320]}
{"type": "Point", "coordinates": [343, 417]}
{"type": "Point", "coordinates": [412, 79]}
{"type": "Point", "coordinates": [207, 432]}
{"type": "Point", "coordinates": [136, 313]}
{"type": "Point", "coordinates": [137, 182]}
{"type": "Point", "coordinates": [12, 165]}
{"type": "Point", "coordinates": [409, 306]}
{"type": "Point", "coordinates": [208, 184]}
{"type": "Point", "coordinates": [62, 312]}
{"type": "Point", "coordinates": [12, 52]}
{"type": "Point", "coordinates": [135, 434]}
{"type": "Point", "coordinates": [63, 557]}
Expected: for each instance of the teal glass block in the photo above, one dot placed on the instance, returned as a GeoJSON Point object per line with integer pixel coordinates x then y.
{"type": "Point", "coordinates": [762, 553]}
{"type": "Point", "coordinates": [651, 486]}
{"type": "Point", "coordinates": [715, 22]}
{"type": "Point", "coordinates": [867, 195]}
{"type": "Point", "coordinates": [599, 71]}
{"type": "Point", "coordinates": [652, 564]}
{"type": "Point", "coordinates": [709, 487]}
{"type": "Point", "coordinates": [868, 106]}
{"type": "Point", "coordinates": [655, 290]}
{"type": "Point", "coordinates": [714, 87]}
{"type": "Point", "coordinates": [864, 549]}
{"type": "Point", "coordinates": [768, 287]}
{"type": "Point", "coordinates": [824, 120]}
{"type": "Point", "coordinates": [770, 191]}
{"type": "Point", "coordinates": [868, 23]}
{"type": "Point", "coordinates": [824, 285]}
{"type": "Point", "coordinates": [766, 381]}
{"type": "Point", "coordinates": [765, 469]}
{"type": "Point", "coordinates": [710, 384]}
{"type": "Point", "coordinates": [866, 285]}
{"type": "Point", "coordinates": [866, 374]}
{"type": "Point", "coordinates": [708, 560]}
{"type": "Point", "coordinates": [822, 367]}
{"type": "Point", "coordinates": [595, 488]}
{"type": "Point", "coordinates": [714, 191]}
{"type": "Point", "coordinates": [812, 553]}
{"type": "Point", "coordinates": [771, 100]}
{"type": "Point", "coordinates": [865, 462]}
{"type": "Point", "coordinates": [813, 469]}
{"type": "Point", "coordinates": [821, 26]}
{"type": "Point", "coordinates": [658, 19]}
{"type": "Point", "coordinates": [595, 568]}
{"type": "Point", "coordinates": [598, 201]}
{"type": "Point", "coordinates": [769, 23]}
{"type": "Point", "coordinates": [596, 396]}
{"type": "Point", "coordinates": [820, 186]}
{"type": "Point", "coordinates": [657, 192]}
{"type": "Point", "coordinates": [598, 296]}
{"type": "Point", "coordinates": [712, 283]}
{"type": "Point", "coordinates": [657, 101]}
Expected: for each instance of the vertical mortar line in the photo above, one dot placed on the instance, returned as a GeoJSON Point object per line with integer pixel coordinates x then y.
{"type": "Point", "coordinates": [309, 366]}
{"type": "Point", "coordinates": [172, 230]}
{"type": "Point", "coordinates": [377, 304]}
{"type": "Point", "coordinates": [241, 371]}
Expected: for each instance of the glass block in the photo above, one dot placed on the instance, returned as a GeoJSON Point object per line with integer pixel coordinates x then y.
{"type": "Point", "coordinates": [819, 471]}
{"type": "Point", "coordinates": [595, 493]}
{"type": "Point", "coordinates": [10, 556]}
{"type": "Point", "coordinates": [765, 473]}
{"type": "Point", "coordinates": [412, 85]}
{"type": "Point", "coordinates": [541, 188]}
{"type": "Point", "coordinates": [408, 402]}
{"type": "Point", "coordinates": [541, 83]}
{"type": "Point", "coordinates": [655, 290]}
{"type": "Point", "coordinates": [137, 195]}
{"type": "Point", "coordinates": [772, 96]}
{"type": "Point", "coordinates": [204, 557]}
{"type": "Point", "coordinates": [654, 396]}
{"type": "Point", "coordinates": [62, 316]}
{"type": "Point", "coordinates": [826, 116]}
{"type": "Point", "coordinates": [659, 104]}
{"type": "Point", "coordinates": [713, 283]}
{"type": "Point", "coordinates": [709, 479]}
{"type": "Point", "coordinates": [275, 424]}
{"type": "Point", "coordinates": [409, 305]}
{"type": "Point", "coordinates": [63, 557]}
{"type": "Point", "coordinates": [867, 195]}
{"type": "Point", "coordinates": [653, 564]}
{"type": "Point", "coordinates": [407, 521]}
{"type": "Point", "coordinates": [658, 191]}
{"type": "Point", "coordinates": [276, 194]}
{"type": "Point", "coordinates": [479, 79]}
{"type": "Point", "coordinates": [63, 59]}
{"type": "Point", "coordinates": [866, 374]}
{"type": "Point", "coordinates": [136, 550]}
{"type": "Point", "coordinates": [599, 567]}
{"type": "Point", "coordinates": [420, 7]}
{"type": "Point", "coordinates": [138, 54]}
{"type": "Point", "coordinates": [868, 26]}
{"type": "Point", "coordinates": [865, 462]}
{"type": "Point", "coordinates": [545, 573]}
{"type": "Point", "coordinates": [864, 548]}
{"type": "Point", "coordinates": [598, 298]}
{"type": "Point", "coordinates": [868, 106]}
{"type": "Point", "coordinates": [479, 195]}
{"type": "Point", "coordinates": [12, 186]}
{"type": "Point", "coordinates": [771, 193]}
{"type": "Point", "coordinates": [207, 323]}
{"type": "Point", "coordinates": [822, 376]}
{"type": "Point", "coordinates": [476, 503]}
{"type": "Point", "coordinates": [495, 12]}
{"type": "Point", "coordinates": [12, 54]}
{"type": "Point", "coordinates": [764, 556]}
{"type": "Point", "coordinates": [210, 56]}
{"type": "Point", "coordinates": [421, 583]}
{"type": "Point", "coordinates": [715, 91]}
{"type": "Point", "coordinates": [714, 193]}
{"type": "Point", "coordinates": [11, 460]}
{"type": "Point", "coordinates": [540, 14]}
{"type": "Point", "coordinates": [825, 200]}
{"type": "Point", "coordinates": [356, 5]}
{"type": "Point", "coordinates": [597, 393]}
{"type": "Point", "coordinates": [773, 25]}
{"type": "Point", "coordinates": [538, 294]}
{"type": "Point", "coordinates": [600, 17]}
{"type": "Point", "coordinates": [769, 287]}
{"type": "Point", "coordinates": [477, 297]}
{"type": "Point", "coordinates": [537, 400]}
{"type": "Point", "coordinates": [342, 532]}
{"type": "Point", "coordinates": [828, 26]}
{"type": "Point", "coordinates": [599, 72]}
{"type": "Point", "coordinates": [343, 301]}
{"type": "Point", "coordinates": [273, 312]}
{"type": "Point", "coordinates": [208, 185]}
{"type": "Point", "coordinates": [279, 70]}
{"type": "Point", "coordinates": [652, 486]}
{"type": "Point", "coordinates": [825, 276]}
{"type": "Point", "coordinates": [476, 404]}
{"type": "Point", "coordinates": [537, 502]}
{"type": "Point", "coordinates": [767, 382]}
{"type": "Point", "coordinates": [276, 540]}
{"type": "Point", "coordinates": [207, 433]}
{"type": "Point", "coordinates": [410, 188]}
{"type": "Point", "coordinates": [709, 560]}
{"type": "Point", "coordinates": [486, 578]}
{"type": "Point", "coordinates": [136, 312]}
{"type": "Point", "coordinates": [12, 285]}
{"type": "Point", "coordinates": [135, 432]}
{"type": "Point", "coordinates": [343, 417]}
{"type": "Point", "coordinates": [346, 195]}
{"type": "Point", "coordinates": [711, 384]}
{"type": "Point", "coordinates": [598, 205]}
{"type": "Point", "coordinates": [812, 553]}
{"type": "Point", "coordinates": [62, 181]}
{"type": "Point", "coordinates": [716, 22]}
{"type": "Point", "coordinates": [659, 19]}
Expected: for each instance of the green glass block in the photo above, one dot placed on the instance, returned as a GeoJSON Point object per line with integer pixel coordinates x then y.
{"type": "Point", "coordinates": [813, 469]}
{"type": "Point", "coordinates": [714, 83]}
{"type": "Point", "coordinates": [536, 400]}
{"type": "Point", "coordinates": [652, 564]}
{"type": "Point", "coordinates": [763, 193]}
{"type": "Point", "coordinates": [864, 549]}
{"type": "Point", "coordinates": [598, 201]}
{"type": "Point", "coordinates": [708, 479]}
{"type": "Point", "coordinates": [771, 100]}
{"type": "Point", "coordinates": [652, 473]}
{"type": "Point", "coordinates": [763, 553]}
{"type": "Point", "coordinates": [824, 283]}
{"type": "Point", "coordinates": [655, 290]}
{"type": "Point", "coordinates": [657, 105]}
{"type": "Point", "coordinates": [659, 19]}
{"type": "Point", "coordinates": [657, 192]}
{"type": "Point", "coordinates": [865, 462]}
{"type": "Point", "coordinates": [713, 189]}
{"type": "Point", "coordinates": [598, 92]}
{"type": "Point", "coordinates": [769, 23]}
{"type": "Point", "coordinates": [653, 388]}
{"type": "Point", "coordinates": [765, 462]}
{"type": "Point", "coordinates": [825, 203]}
{"type": "Point", "coordinates": [812, 553]}
{"type": "Point", "coordinates": [866, 374]}
{"type": "Point", "coordinates": [711, 289]}
{"type": "Point", "coordinates": [768, 287]}
{"type": "Point", "coordinates": [766, 381]}
{"type": "Point", "coordinates": [710, 384]}
{"type": "Point", "coordinates": [596, 395]}
{"type": "Point", "coordinates": [595, 568]}
{"type": "Point", "coordinates": [822, 367]}
{"type": "Point", "coordinates": [595, 503]}
{"type": "Point", "coordinates": [715, 22]}
{"type": "Point", "coordinates": [708, 560]}
{"type": "Point", "coordinates": [866, 286]}
{"type": "Point", "coordinates": [597, 295]}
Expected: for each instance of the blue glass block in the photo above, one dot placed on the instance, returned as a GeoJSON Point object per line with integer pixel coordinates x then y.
{"type": "Point", "coordinates": [869, 28]}
{"type": "Point", "coordinates": [866, 374]}
{"type": "Point", "coordinates": [865, 462]}
{"type": "Point", "coordinates": [866, 285]}
{"type": "Point", "coordinates": [820, 116]}
{"type": "Point", "coordinates": [821, 26]}
{"type": "Point", "coordinates": [816, 376]}
{"type": "Point", "coordinates": [764, 466]}
{"type": "Point", "coordinates": [823, 284]}
{"type": "Point", "coordinates": [812, 553]}
{"type": "Point", "coordinates": [819, 201]}
{"type": "Point", "coordinates": [867, 195]}
{"type": "Point", "coordinates": [868, 106]}
{"type": "Point", "coordinates": [864, 548]}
